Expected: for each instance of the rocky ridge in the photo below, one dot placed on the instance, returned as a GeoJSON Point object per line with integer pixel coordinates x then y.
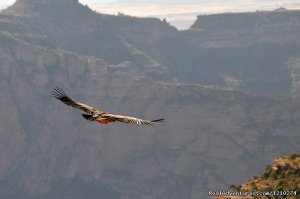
{"type": "Point", "coordinates": [281, 179]}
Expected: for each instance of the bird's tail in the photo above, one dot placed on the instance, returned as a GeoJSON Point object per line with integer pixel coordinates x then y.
{"type": "Point", "coordinates": [158, 120]}
{"type": "Point", "coordinates": [87, 117]}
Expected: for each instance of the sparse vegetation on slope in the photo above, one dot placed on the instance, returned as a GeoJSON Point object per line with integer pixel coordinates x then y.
{"type": "Point", "coordinates": [281, 179]}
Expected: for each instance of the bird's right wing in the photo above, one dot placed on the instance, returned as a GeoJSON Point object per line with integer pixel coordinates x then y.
{"type": "Point", "coordinates": [62, 96]}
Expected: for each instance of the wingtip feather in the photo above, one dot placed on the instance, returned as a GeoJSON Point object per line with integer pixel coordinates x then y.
{"type": "Point", "coordinates": [158, 120]}
{"type": "Point", "coordinates": [57, 93]}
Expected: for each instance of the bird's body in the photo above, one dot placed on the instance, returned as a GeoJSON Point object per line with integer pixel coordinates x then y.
{"type": "Point", "coordinates": [98, 115]}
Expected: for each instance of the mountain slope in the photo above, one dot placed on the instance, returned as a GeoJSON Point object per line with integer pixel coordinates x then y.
{"type": "Point", "coordinates": [71, 26]}
{"type": "Point", "coordinates": [221, 49]}
{"type": "Point", "coordinates": [49, 151]}
{"type": "Point", "coordinates": [252, 51]}
{"type": "Point", "coordinates": [280, 180]}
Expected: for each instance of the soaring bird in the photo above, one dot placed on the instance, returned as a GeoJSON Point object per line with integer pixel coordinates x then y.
{"type": "Point", "coordinates": [98, 115]}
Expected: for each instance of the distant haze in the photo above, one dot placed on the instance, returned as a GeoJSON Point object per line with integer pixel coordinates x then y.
{"type": "Point", "coordinates": [179, 14]}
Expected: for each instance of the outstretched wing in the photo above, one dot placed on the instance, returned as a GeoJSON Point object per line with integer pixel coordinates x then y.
{"type": "Point", "coordinates": [62, 96]}
{"type": "Point", "coordinates": [129, 120]}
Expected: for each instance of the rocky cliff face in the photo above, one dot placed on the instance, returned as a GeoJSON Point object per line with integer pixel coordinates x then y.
{"type": "Point", "coordinates": [223, 49]}
{"type": "Point", "coordinates": [281, 179]}
{"type": "Point", "coordinates": [49, 151]}
{"type": "Point", "coordinates": [72, 26]}
{"type": "Point", "coordinates": [229, 49]}
{"type": "Point", "coordinates": [240, 29]}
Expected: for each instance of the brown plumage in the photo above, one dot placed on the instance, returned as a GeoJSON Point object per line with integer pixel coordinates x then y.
{"type": "Point", "coordinates": [97, 115]}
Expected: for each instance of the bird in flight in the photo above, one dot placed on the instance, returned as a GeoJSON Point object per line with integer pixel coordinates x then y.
{"type": "Point", "coordinates": [98, 115]}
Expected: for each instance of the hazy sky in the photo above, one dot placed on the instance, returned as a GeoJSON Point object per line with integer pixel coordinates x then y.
{"type": "Point", "coordinates": [178, 12]}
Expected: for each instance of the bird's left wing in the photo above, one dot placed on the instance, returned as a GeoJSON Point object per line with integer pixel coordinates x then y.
{"type": "Point", "coordinates": [129, 120]}
{"type": "Point", "coordinates": [62, 96]}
